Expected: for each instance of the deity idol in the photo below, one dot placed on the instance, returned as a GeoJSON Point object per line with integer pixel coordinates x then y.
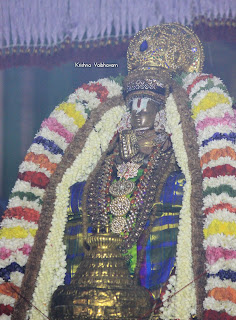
{"type": "Point", "coordinates": [148, 175]}
{"type": "Point", "coordinates": [123, 194]}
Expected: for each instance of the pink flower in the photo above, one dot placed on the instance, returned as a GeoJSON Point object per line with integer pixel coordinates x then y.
{"type": "Point", "coordinates": [54, 125]}
{"type": "Point", "coordinates": [227, 120]}
{"type": "Point", "coordinates": [213, 254]}
{"type": "Point", "coordinates": [26, 249]}
{"type": "Point", "coordinates": [4, 253]}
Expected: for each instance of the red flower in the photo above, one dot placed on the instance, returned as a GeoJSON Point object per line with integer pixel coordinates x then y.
{"type": "Point", "coordinates": [220, 206]}
{"type": "Point", "coordinates": [6, 309]}
{"type": "Point", "coordinates": [25, 213]}
{"type": "Point", "coordinates": [223, 316]}
{"type": "Point", "coordinates": [101, 91]}
{"type": "Point", "coordinates": [211, 315]}
{"type": "Point", "coordinates": [214, 315]}
{"type": "Point", "coordinates": [199, 78]}
{"type": "Point", "coordinates": [36, 179]}
{"type": "Point", "coordinates": [224, 170]}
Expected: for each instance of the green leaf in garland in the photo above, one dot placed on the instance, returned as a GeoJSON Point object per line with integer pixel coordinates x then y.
{"type": "Point", "coordinates": [180, 77]}
{"type": "Point", "coordinates": [28, 195]}
{"type": "Point", "coordinates": [119, 79]}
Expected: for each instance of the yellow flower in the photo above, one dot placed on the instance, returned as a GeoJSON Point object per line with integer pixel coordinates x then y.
{"type": "Point", "coordinates": [70, 111]}
{"type": "Point", "coordinates": [218, 226]}
{"type": "Point", "coordinates": [16, 232]}
{"type": "Point", "coordinates": [208, 102]}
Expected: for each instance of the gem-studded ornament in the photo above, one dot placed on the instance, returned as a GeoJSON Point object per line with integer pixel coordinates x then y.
{"type": "Point", "coordinates": [121, 188]}
{"type": "Point", "coordinates": [144, 45]}
{"type": "Point", "coordinates": [120, 206]}
{"type": "Point", "coordinates": [118, 224]}
{"type": "Point", "coordinates": [128, 170]}
{"type": "Point", "coordinates": [160, 123]}
{"type": "Point", "coordinates": [168, 46]}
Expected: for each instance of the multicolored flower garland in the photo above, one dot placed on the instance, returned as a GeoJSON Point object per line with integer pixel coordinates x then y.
{"type": "Point", "coordinates": [20, 220]}
{"type": "Point", "coordinates": [53, 264]}
{"type": "Point", "coordinates": [215, 124]}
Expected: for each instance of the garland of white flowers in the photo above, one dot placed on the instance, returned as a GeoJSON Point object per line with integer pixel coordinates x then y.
{"type": "Point", "coordinates": [215, 123]}
{"type": "Point", "coordinates": [53, 263]}
{"type": "Point", "coordinates": [176, 309]}
{"type": "Point", "coordinates": [19, 226]}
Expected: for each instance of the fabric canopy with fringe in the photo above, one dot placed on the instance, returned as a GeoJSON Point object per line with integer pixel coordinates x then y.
{"type": "Point", "coordinates": [45, 32]}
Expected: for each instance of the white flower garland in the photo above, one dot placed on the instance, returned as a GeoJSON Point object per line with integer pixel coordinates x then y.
{"type": "Point", "coordinates": [220, 241]}
{"type": "Point", "coordinates": [58, 130]}
{"type": "Point", "coordinates": [26, 186]}
{"type": "Point", "coordinates": [213, 304]}
{"type": "Point", "coordinates": [175, 308]}
{"type": "Point", "coordinates": [217, 181]}
{"type": "Point", "coordinates": [165, 311]}
{"type": "Point", "coordinates": [53, 261]}
{"type": "Point", "coordinates": [212, 283]}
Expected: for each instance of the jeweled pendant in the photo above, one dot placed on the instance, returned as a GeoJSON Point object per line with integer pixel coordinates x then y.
{"type": "Point", "coordinates": [128, 170]}
{"type": "Point", "coordinates": [118, 224]}
{"type": "Point", "coordinates": [121, 188]}
{"type": "Point", "coordinates": [120, 206]}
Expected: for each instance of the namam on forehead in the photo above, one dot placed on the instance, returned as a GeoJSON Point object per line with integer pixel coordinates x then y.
{"type": "Point", "coordinates": [143, 112]}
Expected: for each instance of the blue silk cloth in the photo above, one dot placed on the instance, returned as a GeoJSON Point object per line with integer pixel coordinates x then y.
{"type": "Point", "coordinates": [73, 237]}
{"type": "Point", "coordinates": [160, 250]}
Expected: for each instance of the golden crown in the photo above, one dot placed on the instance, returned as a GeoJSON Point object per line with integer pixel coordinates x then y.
{"type": "Point", "coordinates": [169, 46]}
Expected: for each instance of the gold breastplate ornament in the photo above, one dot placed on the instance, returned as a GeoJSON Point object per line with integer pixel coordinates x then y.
{"type": "Point", "coordinates": [102, 287]}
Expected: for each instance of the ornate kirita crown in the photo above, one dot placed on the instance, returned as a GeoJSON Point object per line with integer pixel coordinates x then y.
{"type": "Point", "coordinates": [169, 46]}
{"type": "Point", "coordinates": [157, 52]}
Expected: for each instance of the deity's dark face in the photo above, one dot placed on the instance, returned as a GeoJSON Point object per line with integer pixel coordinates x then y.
{"type": "Point", "coordinates": [143, 112]}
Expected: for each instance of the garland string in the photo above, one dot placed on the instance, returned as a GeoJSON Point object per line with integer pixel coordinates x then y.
{"type": "Point", "coordinates": [31, 304]}
{"type": "Point", "coordinates": [157, 306]}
